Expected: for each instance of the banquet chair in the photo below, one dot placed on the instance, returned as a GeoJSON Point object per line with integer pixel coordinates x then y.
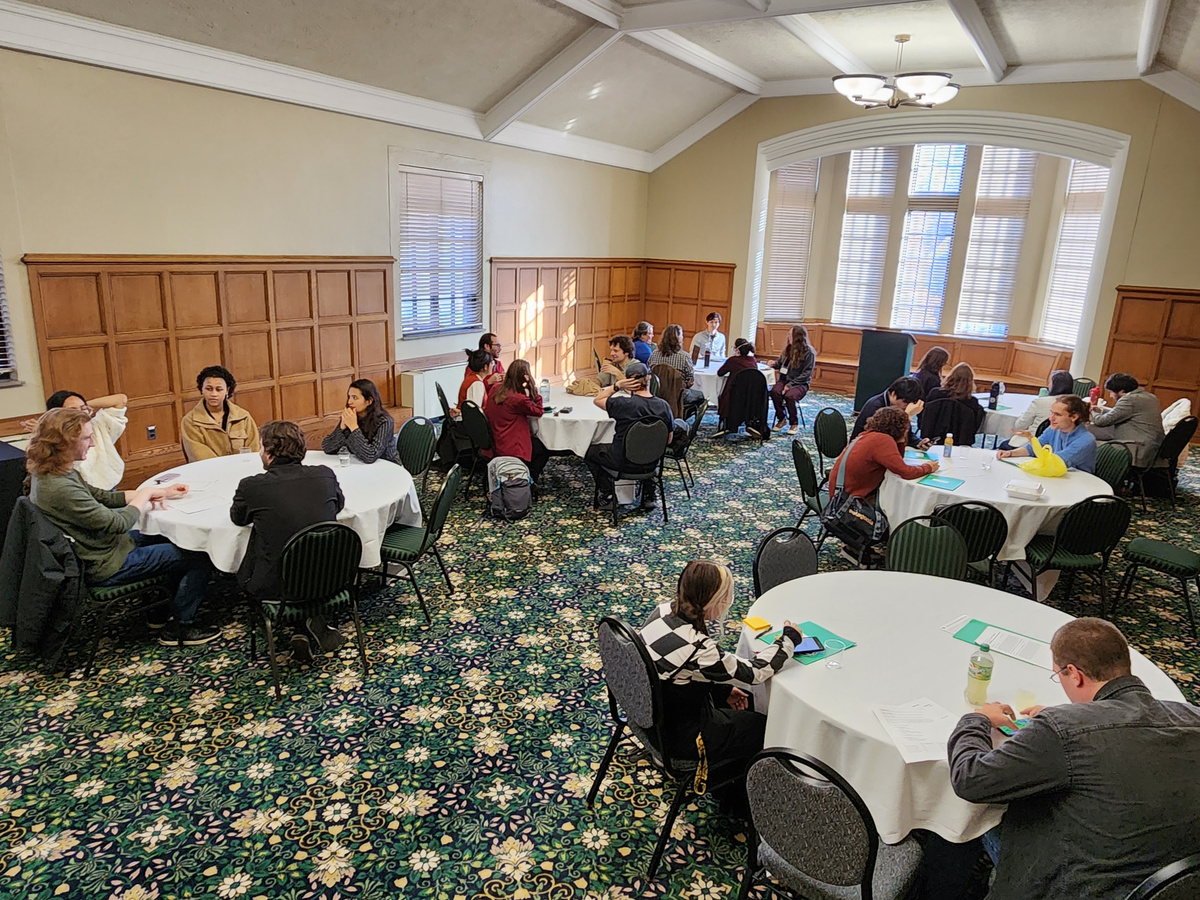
{"type": "Point", "coordinates": [1041, 428]}
{"type": "Point", "coordinates": [635, 703]}
{"type": "Point", "coordinates": [1168, 457]}
{"type": "Point", "coordinates": [678, 449]}
{"type": "Point", "coordinates": [596, 359]}
{"type": "Point", "coordinates": [414, 448]}
{"type": "Point", "coordinates": [783, 555]}
{"type": "Point", "coordinates": [645, 448]}
{"type": "Point", "coordinates": [985, 531]}
{"type": "Point", "coordinates": [1082, 387]}
{"type": "Point", "coordinates": [829, 433]}
{"type": "Point", "coordinates": [927, 545]}
{"type": "Point", "coordinates": [479, 432]}
{"type": "Point", "coordinates": [318, 575]}
{"type": "Point", "coordinates": [404, 545]}
{"type": "Point", "coordinates": [747, 404]}
{"type": "Point", "coordinates": [670, 387]}
{"type": "Point", "coordinates": [1083, 542]}
{"type": "Point", "coordinates": [815, 499]}
{"type": "Point", "coordinates": [454, 444]}
{"type": "Point", "coordinates": [812, 833]}
{"type": "Point", "coordinates": [1168, 559]}
{"type": "Point", "coordinates": [1176, 881]}
{"type": "Point", "coordinates": [652, 387]}
{"type": "Point", "coordinates": [1113, 463]}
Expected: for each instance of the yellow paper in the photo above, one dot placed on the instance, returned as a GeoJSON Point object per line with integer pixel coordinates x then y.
{"type": "Point", "coordinates": [1045, 463]}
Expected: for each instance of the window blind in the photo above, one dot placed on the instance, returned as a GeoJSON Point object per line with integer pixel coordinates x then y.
{"type": "Point", "coordinates": [1074, 252]}
{"type": "Point", "coordinates": [869, 189]}
{"type": "Point", "coordinates": [793, 200]}
{"type": "Point", "coordinates": [997, 232]}
{"type": "Point", "coordinates": [8, 359]}
{"type": "Point", "coordinates": [935, 182]}
{"type": "Point", "coordinates": [440, 251]}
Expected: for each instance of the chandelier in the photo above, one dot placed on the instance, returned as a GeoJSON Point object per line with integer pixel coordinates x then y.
{"type": "Point", "coordinates": [924, 90]}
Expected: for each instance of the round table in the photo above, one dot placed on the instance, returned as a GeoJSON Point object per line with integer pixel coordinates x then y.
{"type": "Point", "coordinates": [376, 496]}
{"type": "Point", "coordinates": [712, 385]}
{"type": "Point", "coordinates": [1002, 420]}
{"type": "Point", "coordinates": [584, 425]}
{"type": "Point", "coordinates": [901, 499]}
{"type": "Point", "coordinates": [902, 654]}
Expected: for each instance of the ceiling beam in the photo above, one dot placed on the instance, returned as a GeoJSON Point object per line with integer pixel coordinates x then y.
{"type": "Point", "coordinates": [1154, 21]}
{"type": "Point", "coordinates": [606, 12]}
{"type": "Point", "coordinates": [701, 129]}
{"type": "Point", "coordinates": [578, 54]}
{"type": "Point", "coordinates": [980, 35]}
{"type": "Point", "coordinates": [682, 13]}
{"type": "Point", "coordinates": [824, 44]}
{"type": "Point", "coordinates": [698, 58]}
{"type": "Point", "coordinates": [760, 5]}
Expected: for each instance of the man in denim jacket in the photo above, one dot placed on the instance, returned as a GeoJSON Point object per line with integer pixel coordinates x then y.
{"type": "Point", "coordinates": [1102, 792]}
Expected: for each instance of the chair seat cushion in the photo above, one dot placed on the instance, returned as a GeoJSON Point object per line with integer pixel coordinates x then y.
{"type": "Point", "coordinates": [402, 542]}
{"type": "Point", "coordinates": [278, 611]}
{"type": "Point", "coordinates": [895, 873]}
{"type": "Point", "coordinates": [1163, 557]}
{"type": "Point", "coordinates": [1038, 552]}
{"type": "Point", "coordinates": [116, 592]}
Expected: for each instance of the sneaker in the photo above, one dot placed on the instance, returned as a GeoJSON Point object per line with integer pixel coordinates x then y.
{"type": "Point", "coordinates": [301, 648]}
{"type": "Point", "coordinates": [781, 424]}
{"type": "Point", "coordinates": [795, 429]}
{"type": "Point", "coordinates": [157, 617]}
{"type": "Point", "coordinates": [324, 637]}
{"type": "Point", "coordinates": [720, 433]}
{"type": "Point", "coordinates": [189, 634]}
{"type": "Point", "coordinates": [606, 504]}
{"type": "Point", "coordinates": [754, 432]}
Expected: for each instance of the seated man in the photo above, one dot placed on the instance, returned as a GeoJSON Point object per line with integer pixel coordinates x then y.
{"type": "Point", "coordinates": [903, 394]}
{"type": "Point", "coordinates": [99, 523]}
{"type": "Point", "coordinates": [643, 341]}
{"type": "Point", "coordinates": [1101, 793]}
{"type": "Point", "coordinates": [285, 498]}
{"type": "Point", "coordinates": [639, 405]}
{"type": "Point", "coordinates": [620, 354]}
{"type": "Point", "coordinates": [710, 338]}
{"type": "Point", "coordinates": [103, 467]}
{"type": "Point", "coordinates": [1135, 420]}
{"type": "Point", "coordinates": [216, 426]}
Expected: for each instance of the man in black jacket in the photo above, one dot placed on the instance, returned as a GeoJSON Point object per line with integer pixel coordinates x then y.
{"type": "Point", "coordinates": [905, 395]}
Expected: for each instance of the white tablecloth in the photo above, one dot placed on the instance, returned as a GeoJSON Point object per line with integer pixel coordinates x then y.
{"type": "Point", "coordinates": [901, 654]}
{"type": "Point", "coordinates": [707, 380]}
{"type": "Point", "coordinates": [900, 499]}
{"type": "Point", "coordinates": [1001, 422]}
{"type": "Point", "coordinates": [584, 425]}
{"type": "Point", "coordinates": [376, 496]}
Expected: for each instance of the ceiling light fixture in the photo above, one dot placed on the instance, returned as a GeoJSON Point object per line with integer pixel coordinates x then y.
{"type": "Point", "coordinates": [924, 90]}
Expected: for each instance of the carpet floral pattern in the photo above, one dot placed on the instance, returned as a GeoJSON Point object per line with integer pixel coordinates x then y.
{"type": "Point", "coordinates": [458, 767]}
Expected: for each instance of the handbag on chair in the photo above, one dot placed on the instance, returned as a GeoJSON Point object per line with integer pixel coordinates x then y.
{"type": "Point", "coordinates": [853, 520]}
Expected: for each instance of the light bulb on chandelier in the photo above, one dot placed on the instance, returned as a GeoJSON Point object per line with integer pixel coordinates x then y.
{"type": "Point", "coordinates": [923, 90]}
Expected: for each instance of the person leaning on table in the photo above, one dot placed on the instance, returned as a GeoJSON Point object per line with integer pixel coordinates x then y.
{"type": "Point", "coordinates": [1101, 792]}
{"type": "Point", "coordinates": [1067, 436]}
{"type": "Point", "coordinates": [216, 426]}
{"type": "Point", "coordinates": [877, 451]}
{"type": "Point", "coordinates": [706, 713]}
{"type": "Point", "coordinates": [366, 429]}
{"type": "Point", "coordinates": [1135, 420]}
{"type": "Point", "coordinates": [903, 394]}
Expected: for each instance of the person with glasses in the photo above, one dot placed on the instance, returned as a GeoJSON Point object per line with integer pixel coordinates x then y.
{"type": "Point", "coordinates": [103, 467]}
{"type": "Point", "coordinates": [1101, 792]}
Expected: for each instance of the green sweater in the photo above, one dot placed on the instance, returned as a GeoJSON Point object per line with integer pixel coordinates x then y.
{"type": "Point", "coordinates": [97, 521]}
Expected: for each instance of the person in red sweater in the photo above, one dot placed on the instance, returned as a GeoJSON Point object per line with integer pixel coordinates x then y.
{"type": "Point", "coordinates": [875, 452]}
{"type": "Point", "coordinates": [743, 359]}
{"type": "Point", "coordinates": [510, 404]}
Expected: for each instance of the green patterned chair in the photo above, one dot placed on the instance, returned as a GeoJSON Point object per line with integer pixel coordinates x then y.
{"type": "Point", "coordinates": [1083, 542]}
{"type": "Point", "coordinates": [414, 448]}
{"type": "Point", "coordinates": [678, 449]}
{"type": "Point", "coordinates": [815, 499]}
{"type": "Point", "coordinates": [927, 545]}
{"type": "Point", "coordinates": [318, 575]}
{"type": "Point", "coordinates": [829, 433]}
{"type": "Point", "coordinates": [1170, 560]}
{"type": "Point", "coordinates": [985, 531]}
{"type": "Point", "coordinates": [103, 603]}
{"type": "Point", "coordinates": [1113, 463]}
{"type": "Point", "coordinates": [1083, 387]}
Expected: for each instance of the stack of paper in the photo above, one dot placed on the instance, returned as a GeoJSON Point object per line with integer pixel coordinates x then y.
{"type": "Point", "coordinates": [920, 729]}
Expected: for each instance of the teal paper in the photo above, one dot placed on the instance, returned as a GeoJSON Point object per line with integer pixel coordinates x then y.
{"type": "Point", "coordinates": [824, 635]}
{"type": "Point", "coordinates": [919, 455]}
{"type": "Point", "coordinates": [942, 482]}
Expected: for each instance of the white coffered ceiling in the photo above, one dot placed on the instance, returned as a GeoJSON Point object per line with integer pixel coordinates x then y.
{"type": "Point", "coordinates": [629, 84]}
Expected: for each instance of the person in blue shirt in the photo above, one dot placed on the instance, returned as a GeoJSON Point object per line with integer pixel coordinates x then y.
{"type": "Point", "coordinates": [1067, 436]}
{"type": "Point", "coordinates": [643, 342]}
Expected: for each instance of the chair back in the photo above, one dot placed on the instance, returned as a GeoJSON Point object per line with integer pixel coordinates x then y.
{"type": "Point", "coordinates": [414, 445]}
{"type": "Point", "coordinates": [927, 545]}
{"type": "Point", "coordinates": [982, 526]}
{"type": "Point", "coordinates": [1042, 426]}
{"type": "Point", "coordinates": [476, 425]}
{"type": "Point", "coordinates": [747, 403]}
{"type": "Point", "coordinates": [812, 818]}
{"type": "Point", "coordinates": [632, 680]}
{"type": "Point", "coordinates": [646, 442]}
{"type": "Point", "coordinates": [829, 433]}
{"type": "Point", "coordinates": [442, 503]}
{"type": "Point", "coordinates": [1176, 881]}
{"type": "Point", "coordinates": [652, 387]}
{"type": "Point", "coordinates": [318, 561]}
{"type": "Point", "coordinates": [1113, 463]}
{"type": "Point", "coordinates": [442, 402]}
{"type": "Point", "coordinates": [783, 555]}
{"type": "Point", "coordinates": [1177, 438]}
{"type": "Point", "coordinates": [1082, 387]}
{"type": "Point", "coordinates": [697, 421]}
{"type": "Point", "coordinates": [596, 359]}
{"type": "Point", "coordinates": [805, 473]}
{"type": "Point", "coordinates": [947, 416]}
{"type": "Point", "coordinates": [1092, 526]}
{"type": "Point", "coordinates": [670, 387]}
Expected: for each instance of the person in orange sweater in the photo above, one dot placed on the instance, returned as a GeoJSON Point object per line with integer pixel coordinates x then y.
{"type": "Point", "coordinates": [875, 452]}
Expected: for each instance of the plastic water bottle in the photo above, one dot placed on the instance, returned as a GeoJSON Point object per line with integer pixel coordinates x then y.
{"type": "Point", "coordinates": [995, 395]}
{"type": "Point", "coordinates": [948, 446]}
{"type": "Point", "coordinates": [979, 675]}
{"type": "Point", "coordinates": [344, 457]}
{"type": "Point", "coordinates": [544, 390]}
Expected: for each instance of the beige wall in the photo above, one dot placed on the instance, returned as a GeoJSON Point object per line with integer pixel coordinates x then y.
{"type": "Point", "coordinates": [700, 203]}
{"type": "Point", "coordinates": [96, 161]}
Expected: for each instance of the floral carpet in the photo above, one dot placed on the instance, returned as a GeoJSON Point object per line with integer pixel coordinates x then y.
{"type": "Point", "coordinates": [458, 767]}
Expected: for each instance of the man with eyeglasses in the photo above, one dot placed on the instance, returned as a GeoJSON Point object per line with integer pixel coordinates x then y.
{"type": "Point", "coordinates": [1101, 792]}
{"type": "Point", "coordinates": [103, 468]}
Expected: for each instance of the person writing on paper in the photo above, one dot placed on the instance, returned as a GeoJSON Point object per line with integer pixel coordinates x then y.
{"type": "Point", "coordinates": [710, 338]}
{"type": "Point", "coordinates": [704, 701]}
{"type": "Point", "coordinates": [874, 453]}
{"type": "Point", "coordinates": [99, 523]}
{"type": "Point", "coordinates": [216, 426]}
{"type": "Point", "coordinates": [620, 354]}
{"type": "Point", "coordinates": [1038, 410]}
{"type": "Point", "coordinates": [1067, 437]}
{"type": "Point", "coordinates": [366, 429]}
{"type": "Point", "coordinates": [903, 394]}
{"type": "Point", "coordinates": [1101, 792]}
{"type": "Point", "coordinates": [103, 467]}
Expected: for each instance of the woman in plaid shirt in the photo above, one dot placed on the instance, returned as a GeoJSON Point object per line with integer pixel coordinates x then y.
{"type": "Point", "coordinates": [670, 352]}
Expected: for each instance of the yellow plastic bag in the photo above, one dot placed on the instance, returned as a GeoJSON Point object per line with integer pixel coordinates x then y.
{"type": "Point", "coordinates": [1045, 463]}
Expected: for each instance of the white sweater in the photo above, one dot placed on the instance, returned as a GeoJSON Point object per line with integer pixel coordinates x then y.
{"type": "Point", "coordinates": [103, 467]}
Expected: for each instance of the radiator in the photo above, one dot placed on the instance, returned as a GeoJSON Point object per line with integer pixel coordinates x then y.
{"type": "Point", "coordinates": [418, 391]}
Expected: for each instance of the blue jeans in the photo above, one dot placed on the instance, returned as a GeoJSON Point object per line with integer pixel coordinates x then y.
{"type": "Point", "coordinates": [153, 556]}
{"type": "Point", "coordinates": [991, 844]}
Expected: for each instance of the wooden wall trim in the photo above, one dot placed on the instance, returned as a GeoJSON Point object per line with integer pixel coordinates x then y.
{"type": "Point", "coordinates": [44, 259]}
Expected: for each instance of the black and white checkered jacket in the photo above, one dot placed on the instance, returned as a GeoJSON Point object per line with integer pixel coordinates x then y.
{"type": "Point", "coordinates": [682, 654]}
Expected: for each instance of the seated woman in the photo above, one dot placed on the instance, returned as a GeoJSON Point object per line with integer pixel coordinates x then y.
{"type": "Point", "coordinates": [704, 706]}
{"type": "Point", "coordinates": [217, 426]}
{"type": "Point", "coordinates": [670, 352]}
{"type": "Point", "coordinates": [481, 375]}
{"type": "Point", "coordinates": [952, 409]}
{"type": "Point", "coordinates": [99, 523]}
{"type": "Point", "coordinates": [742, 359]}
{"type": "Point", "coordinates": [509, 407]}
{"type": "Point", "coordinates": [1067, 437]}
{"type": "Point", "coordinates": [1038, 411]}
{"type": "Point", "coordinates": [366, 429]}
{"type": "Point", "coordinates": [929, 370]}
{"type": "Point", "coordinates": [875, 452]}
{"type": "Point", "coordinates": [795, 366]}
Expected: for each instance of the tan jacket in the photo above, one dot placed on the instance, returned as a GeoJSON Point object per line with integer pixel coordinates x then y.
{"type": "Point", "coordinates": [203, 437]}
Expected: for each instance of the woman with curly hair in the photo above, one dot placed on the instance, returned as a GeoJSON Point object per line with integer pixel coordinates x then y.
{"type": "Point", "coordinates": [795, 366]}
{"type": "Point", "coordinates": [875, 452]}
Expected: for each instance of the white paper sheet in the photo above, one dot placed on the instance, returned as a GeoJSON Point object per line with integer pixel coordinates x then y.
{"type": "Point", "coordinates": [920, 729]}
{"type": "Point", "coordinates": [1017, 646]}
{"type": "Point", "coordinates": [953, 626]}
{"type": "Point", "coordinates": [194, 503]}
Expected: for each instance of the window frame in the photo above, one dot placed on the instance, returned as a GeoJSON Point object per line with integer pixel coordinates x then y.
{"type": "Point", "coordinates": [8, 351]}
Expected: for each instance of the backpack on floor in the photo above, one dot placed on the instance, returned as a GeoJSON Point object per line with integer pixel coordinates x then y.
{"type": "Point", "coordinates": [510, 491]}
